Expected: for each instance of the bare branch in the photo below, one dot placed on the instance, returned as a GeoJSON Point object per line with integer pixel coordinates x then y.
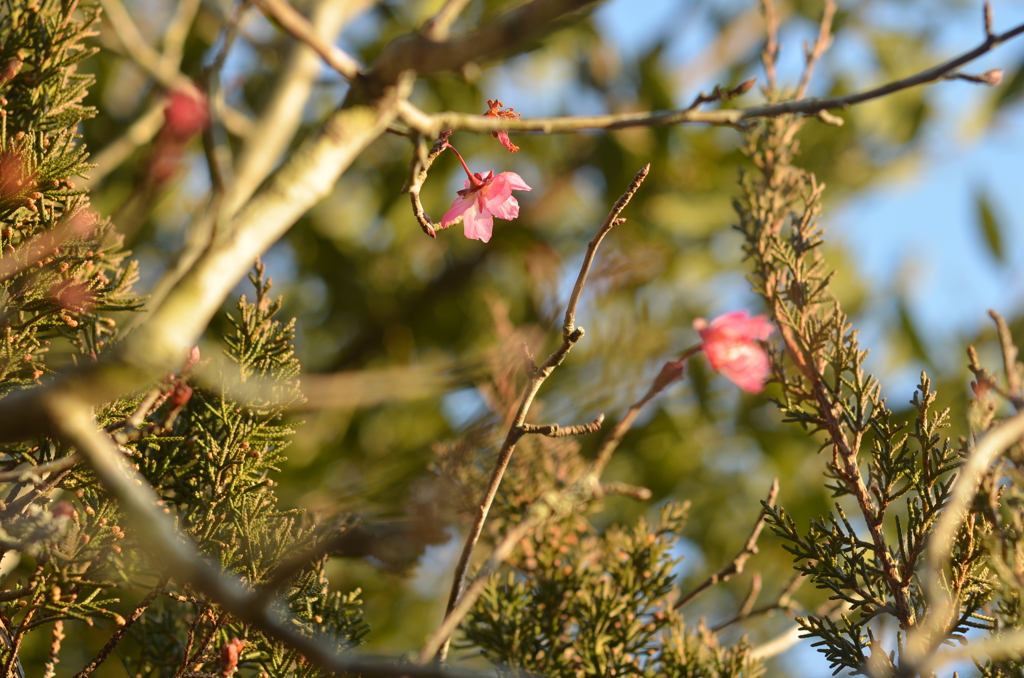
{"type": "Point", "coordinates": [419, 166]}
{"type": "Point", "coordinates": [280, 118]}
{"type": "Point", "coordinates": [139, 50]}
{"type": "Point", "coordinates": [431, 124]}
{"type": "Point", "coordinates": [821, 45]}
{"type": "Point", "coordinates": [570, 335]}
{"type": "Point", "coordinates": [736, 566]}
{"type": "Point", "coordinates": [422, 54]}
{"type": "Point", "coordinates": [437, 28]}
{"type": "Point", "coordinates": [296, 24]}
{"type": "Point", "coordinates": [556, 431]}
{"type": "Point", "coordinates": [1010, 365]}
{"type": "Point", "coordinates": [612, 220]}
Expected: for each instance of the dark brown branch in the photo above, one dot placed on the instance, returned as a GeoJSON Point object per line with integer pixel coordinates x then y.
{"type": "Point", "coordinates": [570, 335]}
{"type": "Point", "coordinates": [736, 566]}
{"type": "Point", "coordinates": [418, 52]}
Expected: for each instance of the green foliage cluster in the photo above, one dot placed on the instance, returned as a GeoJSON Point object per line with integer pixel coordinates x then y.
{"type": "Point", "coordinates": [896, 475]}
{"type": "Point", "coordinates": [65, 267]}
{"type": "Point", "coordinates": [582, 603]}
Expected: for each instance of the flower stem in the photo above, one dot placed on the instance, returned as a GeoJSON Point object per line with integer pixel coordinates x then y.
{"type": "Point", "coordinates": [472, 178]}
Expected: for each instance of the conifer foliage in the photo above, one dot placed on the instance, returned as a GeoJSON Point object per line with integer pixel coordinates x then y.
{"type": "Point", "coordinates": [210, 458]}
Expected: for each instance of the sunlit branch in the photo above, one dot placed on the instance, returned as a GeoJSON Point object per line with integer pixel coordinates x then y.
{"type": "Point", "coordinates": [432, 124]}
{"type": "Point", "coordinates": [300, 27]}
{"type": "Point", "coordinates": [177, 322]}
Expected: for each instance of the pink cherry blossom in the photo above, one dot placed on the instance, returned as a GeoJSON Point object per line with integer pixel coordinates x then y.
{"type": "Point", "coordinates": [485, 196]}
{"type": "Point", "coordinates": [731, 348]}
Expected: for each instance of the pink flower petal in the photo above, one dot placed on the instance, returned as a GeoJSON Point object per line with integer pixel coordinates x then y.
{"type": "Point", "coordinates": [507, 210]}
{"type": "Point", "coordinates": [502, 136]}
{"type": "Point", "coordinates": [477, 224]}
{"type": "Point", "coordinates": [495, 193]}
{"type": "Point", "coordinates": [515, 181]}
{"type": "Point", "coordinates": [749, 368]}
{"type": "Point", "coordinates": [458, 207]}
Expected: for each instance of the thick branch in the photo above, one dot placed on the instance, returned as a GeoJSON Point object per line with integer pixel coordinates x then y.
{"type": "Point", "coordinates": [156, 346]}
{"type": "Point", "coordinates": [179, 555]}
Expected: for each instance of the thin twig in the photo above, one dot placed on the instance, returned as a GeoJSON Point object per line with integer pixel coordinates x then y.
{"type": "Point", "coordinates": [437, 28]}
{"type": "Point", "coordinates": [556, 431]}
{"type": "Point", "coordinates": [299, 26]}
{"type": "Point", "coordinates": [122, 630]}
{"type": "Point", "coordinates": [612, 220]}
{"type": "Point", "coordinates": [50, 667]}
{"type": "Point", "coordinates": [27, 471]}
{"type": "Point", "coordinates": [821, 45]}
{"type": "Point", "coordinates": [737, 564]}
{"type": "Point", "coordinates": [418, 168]}
{"type": "Point", "coordinates": [1013, 372]}
{"type": "Point", "coordinates": [570, 335]}
{"type": "Point", "coordinates": [431, 124]}
{"type": "Point", "coordinates": [783, 602]}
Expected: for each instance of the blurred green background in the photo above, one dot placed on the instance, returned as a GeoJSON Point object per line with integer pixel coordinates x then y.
{"type": "Point", "coordinates": [920, 216]}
